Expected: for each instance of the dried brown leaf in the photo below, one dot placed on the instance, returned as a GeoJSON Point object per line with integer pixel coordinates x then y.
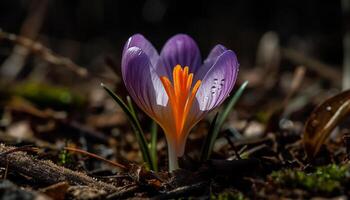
{"type": "Point", "coordinates": [323, 120]}
{"type": "Point", "coordinates": [57, 190]}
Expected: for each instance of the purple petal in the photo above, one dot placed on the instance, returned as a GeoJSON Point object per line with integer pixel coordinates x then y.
{"type": "Point", "coordinates": [180, 49]}
{"type": "Point", "coordinates": [141, 81]}
{"type": "Point", "coordinates": [218, 82]}
{"type": "Point", "coordinates": [209, 62]}
{"type": "Point", "coordinates": [141, 42]}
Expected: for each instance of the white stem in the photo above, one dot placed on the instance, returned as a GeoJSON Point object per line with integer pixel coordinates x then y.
{"type": "Point", "coordinates": [173, 163]}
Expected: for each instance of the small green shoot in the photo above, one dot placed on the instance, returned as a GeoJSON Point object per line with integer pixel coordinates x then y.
{"type": "Point", "coordinates": [64, 157]}
{"type": "Point", "coordinates": [153, 144]}
{"type": "Point", "coordinates": [135, 124]}
{"type": "Point", "coordinates": [217, 123]}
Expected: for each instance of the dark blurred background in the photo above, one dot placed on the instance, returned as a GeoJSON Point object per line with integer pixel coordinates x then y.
{"type": "Point", "coordinates": [87, 31]}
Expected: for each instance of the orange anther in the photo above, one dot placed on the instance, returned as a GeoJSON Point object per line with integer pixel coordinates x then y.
{"type": "Point", "coordinates": [180, 95]}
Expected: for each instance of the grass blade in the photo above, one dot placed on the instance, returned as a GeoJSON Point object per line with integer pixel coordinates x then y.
{"type": "Point", "coordinates": [218, 122]}
{"type": "Point", "coordinates": [231, 104]}
{"type": "Point", "coordinates": [129, 111]}
{"type": "Point", "coordinates": [152, 152]}
{"type": "Point", "coordinates": [131, 107]}
{"type": "Point", "coordinates": [205, 148]}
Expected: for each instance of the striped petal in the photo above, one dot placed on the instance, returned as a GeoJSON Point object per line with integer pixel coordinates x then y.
{"type": "Point", "coordinates": [142, 81]}
{"type": "Point", "coordinates": [141, 42]}
{"type": "Point", "coordinates": [181, 50]}
{"type": "Point", "coordinates": [218, 81]}
{"type": "Point", "coordinates": [210, 60]}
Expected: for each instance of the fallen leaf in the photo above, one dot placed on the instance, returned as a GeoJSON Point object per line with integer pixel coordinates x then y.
{"type": "Point", "coordinates": [56, 191]}
{"type": "Point", "coordinates": [323, 120]}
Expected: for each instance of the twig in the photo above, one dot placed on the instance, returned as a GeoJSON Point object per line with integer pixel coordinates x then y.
{"type": "Point", "coordinates": [324, 70]}
{"type": "Point", "coordinates": [46, 171]}
{"type": "Point", "coordinates": [95, 156]}
{"type": "Point", "coordinates": [280, 112]}
{"type": "Point", "coordinates": [233, 146]}
{"type": "Point", "coordinates": [298, 77]}
{"type": "Point", "coordinates": [30, 28]}
{"type": "Point", "coordinates": [124, 192]}
{"type": "Point", "coordinates": [23, 148]}
{"type": "Point", "coordinates": [183, 191]}
{"type": "Point", "coordinates": [346, 139]}
{"type": "Point", "coordinates": [44, 52]}
{"type": "Point", "coordinates": [253, 150]}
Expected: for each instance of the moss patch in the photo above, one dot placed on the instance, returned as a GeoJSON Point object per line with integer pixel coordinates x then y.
{"type": "Point", "coordinates": [325, 179]}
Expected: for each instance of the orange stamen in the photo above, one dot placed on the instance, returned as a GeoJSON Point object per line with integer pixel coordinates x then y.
{"type": "Point", "coordinates": [180, 95]}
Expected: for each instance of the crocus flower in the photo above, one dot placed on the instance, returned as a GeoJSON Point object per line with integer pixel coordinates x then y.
{"type": "Point", "coordinates": [174, 87]}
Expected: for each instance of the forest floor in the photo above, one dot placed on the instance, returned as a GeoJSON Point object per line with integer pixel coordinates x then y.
{"type": "Point", "coordinates": [63, 137]}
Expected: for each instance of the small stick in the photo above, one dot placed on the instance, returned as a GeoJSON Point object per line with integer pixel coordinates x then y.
{"type": "Point", "coordinates": [44, 171]}
{"type": "Point", "coordinates": [346, 139]}
{"type": "Point", "coordinates": [30, 28]}
{"type": "Point", "coordinates": [115, 164]}
{"type": "Point", "coordinates": [44, 52]}
{"type": "Point", "coordinates": [124, 192]}
{"type": "Point", "coordinates": [298, 77]}
{"type": "Point", "coordinates": [324, 70]}
{"type": "Point", "coordinates": [23, 148]}
{"type": "Point", "coordinates": [253, 150]}
{"type": "Point", "coordinates": [233, 146]}
{"type": "Point", "coordinates": [182, 191]}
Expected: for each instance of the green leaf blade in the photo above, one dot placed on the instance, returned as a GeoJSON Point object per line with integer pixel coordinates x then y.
{"type": "Point", "coordinates": [217, 123]}
{"type": "Point", "coordinates": [130, 112]}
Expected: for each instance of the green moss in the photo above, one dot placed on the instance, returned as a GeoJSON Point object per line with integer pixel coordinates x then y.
{"type": "Point", "coordinates": [325, 179]}
{"type": "Point", "coordinates": [48, 96]}
{"type": "Point", "coordinates": [228, 196]}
